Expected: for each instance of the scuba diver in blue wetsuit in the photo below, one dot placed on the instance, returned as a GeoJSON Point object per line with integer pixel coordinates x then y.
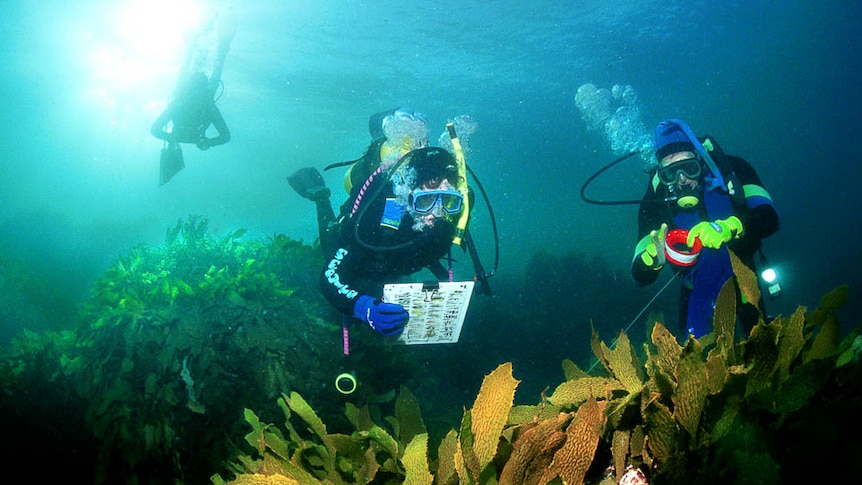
{"type": "Point", "coordinates": [720, 200]}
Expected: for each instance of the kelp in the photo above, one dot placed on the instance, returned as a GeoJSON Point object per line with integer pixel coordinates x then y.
{"type": "Point", "coordinates": [177, 340]}
{"type": "Point", "coordinates": [690, 412]}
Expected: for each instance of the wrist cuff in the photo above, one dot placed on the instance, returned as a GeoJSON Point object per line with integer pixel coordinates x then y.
{"type": "Point", "coordinates": [362, 306]}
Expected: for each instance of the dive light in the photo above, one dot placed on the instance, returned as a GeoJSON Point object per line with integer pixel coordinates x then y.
{"type": "Point", "coordinates": [770, 277]}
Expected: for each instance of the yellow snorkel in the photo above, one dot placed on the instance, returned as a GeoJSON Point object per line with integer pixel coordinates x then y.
{"type": "Point", "coordinates": [461, 227]}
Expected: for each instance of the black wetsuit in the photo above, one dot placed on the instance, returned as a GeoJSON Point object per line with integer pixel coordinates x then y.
{"type": "Point", "coordinates": [190, 124]}
{"type": "Point", "coordinates": [361, 267]}
{"type": "Point", "coordinates": [193, 109]}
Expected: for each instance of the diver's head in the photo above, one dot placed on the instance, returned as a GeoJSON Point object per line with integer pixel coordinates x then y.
{"type": "Point", "coordinates": [670, 138]}
{"type": "Point", "coordinates": [679, 166]}
{"type": "Point", "coordinates": [430, 166]}
{"type": "Point", "coordinates": [428, 186]}
{"type": "Point", "coordinates": [681, 173]}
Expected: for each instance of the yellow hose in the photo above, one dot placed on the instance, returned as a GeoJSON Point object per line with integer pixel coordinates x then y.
{"type": "Point", "coordinates": [461, 227]}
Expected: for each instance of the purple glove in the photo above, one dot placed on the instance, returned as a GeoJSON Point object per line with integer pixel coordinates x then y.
{"type": "Point", "coordinates": [388, 319]}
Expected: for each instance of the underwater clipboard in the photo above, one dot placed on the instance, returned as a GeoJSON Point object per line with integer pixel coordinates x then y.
{"type": "Point", "coordinates": [437, 310]}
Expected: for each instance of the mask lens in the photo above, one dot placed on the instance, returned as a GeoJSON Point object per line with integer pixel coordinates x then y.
{"type": "Point", "coordinates": [426, 201]}
{"type": "Point", "coordinates": [451, 203]}
{"type": "Point", "coordinates": [690, 167]}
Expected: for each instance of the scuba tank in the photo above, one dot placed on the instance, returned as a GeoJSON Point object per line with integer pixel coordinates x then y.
{"type": "Point", "coordinates": [407, 130]}
{"type": "Point", "coordinates": [360, 169]}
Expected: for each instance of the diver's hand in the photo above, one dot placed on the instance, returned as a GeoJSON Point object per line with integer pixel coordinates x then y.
{"type": "Point", "coordinates": [715, 234]}
{"type": "Point", "coordinates": [204, 143]}
{"type": "Point", "coordinates": [653, 255]}
{"type": "Point", "coordinates": [388, 319]}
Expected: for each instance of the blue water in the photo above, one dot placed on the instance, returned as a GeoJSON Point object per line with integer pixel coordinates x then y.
{"type": "Point", "coordinates": [774, 82]}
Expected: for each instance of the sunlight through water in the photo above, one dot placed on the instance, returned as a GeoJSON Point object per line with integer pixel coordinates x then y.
{"type": "Point", "coordinates": [135, 47]}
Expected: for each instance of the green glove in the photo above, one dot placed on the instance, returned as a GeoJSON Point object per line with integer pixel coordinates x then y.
{"type": "Point", "coordinates": [714, 234]}
{"type": "Point", "coordinates": [653, 253]}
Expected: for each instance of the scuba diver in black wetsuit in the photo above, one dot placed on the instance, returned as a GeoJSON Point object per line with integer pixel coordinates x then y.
{"type": "Point", "coordinates": [405, 209]}
{"type": "Point", "coordinates": [192, 109]}
{"type": "Point", "coordinates": [720, 200]}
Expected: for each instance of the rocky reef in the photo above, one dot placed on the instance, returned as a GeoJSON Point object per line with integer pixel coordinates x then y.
{"type": "Point", "coordinates": [211, 359]}
{"type": "Point", "coordinates": [149, 384]}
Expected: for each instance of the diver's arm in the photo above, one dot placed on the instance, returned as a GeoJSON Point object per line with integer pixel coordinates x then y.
{"type": "Point", "coordinates": [351, 270]}
{"type": "Point", "coordinates": [762, 221]}
{"type": "Point", "coordinates": [221, 127]}
{"type": "Point", "coordinates": [336, 281]}
{"type": "Point", "coordinates": [650, 218]}
{"type": "Point", "coordinates": [759, 216]}
{"type": "Point", "coordinates": [641, 273]}
{"type": "Point", "coordinates": [158, 127]}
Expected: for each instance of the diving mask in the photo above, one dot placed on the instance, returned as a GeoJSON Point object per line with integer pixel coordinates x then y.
{"type": "Point", "coordinates": [426, 201]}
{"type": "Point", "coordinates": [690, 167]}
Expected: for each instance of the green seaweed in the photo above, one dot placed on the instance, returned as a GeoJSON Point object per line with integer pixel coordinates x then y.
{"type": "Point", "coordinates": [178, 343]}
{"type": "Point", "coordinates": [170, 332]}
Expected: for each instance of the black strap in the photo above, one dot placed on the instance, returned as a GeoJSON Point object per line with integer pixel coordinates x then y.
{"type": "Point", "coordinates": [481, 276]}
{"type": "Point", "coordinates": [719, 156]}
{"type": "Point", "coordinates": [601, 171]}
{"type": "Point", "coordinates": [340, 164]}
{"type": "Point", "coordinates": [440, 272]}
